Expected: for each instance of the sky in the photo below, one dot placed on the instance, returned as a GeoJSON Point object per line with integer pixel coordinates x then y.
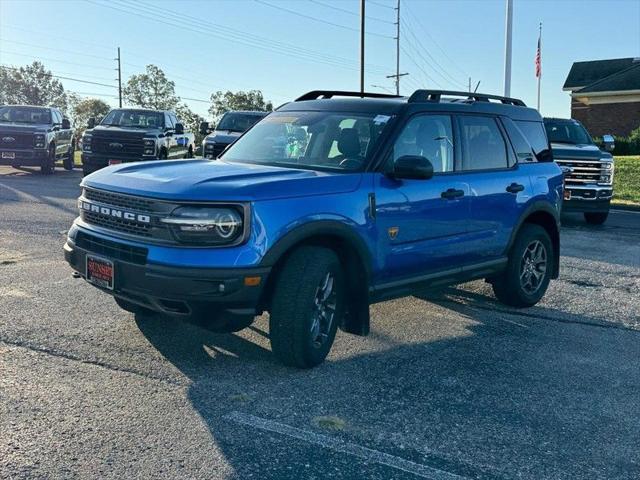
{"type": "Point", "coordinates": [287, 47]}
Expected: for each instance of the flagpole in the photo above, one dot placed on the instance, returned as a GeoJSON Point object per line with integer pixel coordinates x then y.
{"type": "Point", "coordinates": [540, 76]}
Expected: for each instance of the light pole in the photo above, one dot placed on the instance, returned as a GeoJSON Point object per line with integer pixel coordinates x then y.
{"type": "Point", "coordinates": [507, 49]}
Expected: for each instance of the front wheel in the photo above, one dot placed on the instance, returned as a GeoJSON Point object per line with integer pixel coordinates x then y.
{"type": "Point", "coordinates": [308, 305]}
{"type": "Point", "coordinates": [596, 218]}
{"type": "Point", "coordinates": [48, 165]}
{"type": "Point", "coordinates": [68, 161]}
{"type": "Point", "coordinates": [528, 272]}
{"type": "Point", "coordinates": [189, 153]}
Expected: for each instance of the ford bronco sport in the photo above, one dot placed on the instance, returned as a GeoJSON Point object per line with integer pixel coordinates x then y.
{"type": "Point", "coordinates": [35, 137]}
{"type": "Point", "coordinates": [134, 134]}
{"type": "Point", "coordinates": [324, 207]}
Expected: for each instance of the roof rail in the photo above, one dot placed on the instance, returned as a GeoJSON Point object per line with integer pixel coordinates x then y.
{"type": "Point", "coordinates": [316, 94]}
{"type": "Point", "coordinates": [434, 96]}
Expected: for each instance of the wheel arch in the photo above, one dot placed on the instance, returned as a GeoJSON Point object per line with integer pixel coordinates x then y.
{"type": "Point", "coordinates": [544, 215]}
{"type": "Point", "coordinates": [353, 254]}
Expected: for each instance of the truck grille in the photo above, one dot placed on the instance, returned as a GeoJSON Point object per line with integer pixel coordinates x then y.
{"type": "Point", "coordinates": [584, 171]}
{"type": "Point", "coordinates": [117, 145]}
{"type": "Point", "coordinates": [13, 140]}
{"type": "Point", "coordinates": [153, 209]}
{"type": "Point", "coordinates": [213, 150]}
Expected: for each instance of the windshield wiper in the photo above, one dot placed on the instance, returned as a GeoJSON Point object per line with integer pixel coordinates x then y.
{"type": "Point", "coordinates": [567, 142]}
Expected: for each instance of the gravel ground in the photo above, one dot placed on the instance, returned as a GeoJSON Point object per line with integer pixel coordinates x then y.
{"type": "Point", "coordinates": [448, 385]}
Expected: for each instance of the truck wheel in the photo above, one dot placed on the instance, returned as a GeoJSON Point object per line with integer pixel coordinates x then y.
{"type": "Point", "coordinates": [162, 155]}
{"type": "Point", "coordinates": [132, 307]}
{"type": "Point", "coordinates": [69, 160]}
{"type": "Point", "coordinates": [596, 218]}
{"type": "Point", "coordinates": [528, 272]}
{"type": "Point", "coordinates": [189, 153]}
{"type": "Point", "coordinates": [308, 304]}
{"type": "Point", "coordinates": [48, 165]}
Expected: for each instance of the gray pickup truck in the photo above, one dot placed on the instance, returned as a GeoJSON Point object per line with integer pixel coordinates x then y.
{"type": "Point", "coordinates": [35, 137]}
{"type": "Point", "coordinates": [228, 130]}
{"type": "Point", "coordinates": [588, 168]}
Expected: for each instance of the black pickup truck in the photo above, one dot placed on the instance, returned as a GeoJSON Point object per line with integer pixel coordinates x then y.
{"type": "Point", "coordinates": [35, 137]}
{"type": "Point", "coordinates": [132, 135]}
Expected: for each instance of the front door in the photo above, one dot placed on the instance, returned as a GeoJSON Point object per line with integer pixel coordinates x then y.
{"type": "Point", "coordinates": [422, 224]}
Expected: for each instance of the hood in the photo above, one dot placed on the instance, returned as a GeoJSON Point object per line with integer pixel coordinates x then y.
{"type": "Point", "coordinates": [23, 127]}
{"type": "Point", "coordinates": [101, 129]}
{"type": "Point", "coordinates": [585, 151]}
{"type": "Point", "coordinates": [222, 136]}
{"type": "Point", "coordinates": [208, 180]}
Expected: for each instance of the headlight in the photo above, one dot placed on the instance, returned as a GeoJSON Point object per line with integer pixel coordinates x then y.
{"type": "Point", "coordinates": [38, 140]}
{"type": "Point", "coordinates": [149, 146]}
{"type": "Point", "coordinates": [86, 142]}
{"type": "Point", "coordinates": [206, 225]}
{"type": "Point", "coordinates": [607, 165]}
{"type": "Point", "coordinates": [606, 176]}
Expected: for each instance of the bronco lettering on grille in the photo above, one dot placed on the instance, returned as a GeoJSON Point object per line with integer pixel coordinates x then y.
{"type": "Point", "coordinates": [113, 212]}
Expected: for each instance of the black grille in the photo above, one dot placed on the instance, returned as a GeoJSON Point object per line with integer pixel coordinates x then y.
{"type": "Point", "coordinates": [20, 140]}
{"type": "Point", "coordinates": [119, 200]}
{"type": "Point", "coordinates": [117, 224]}
{"type": "Point", "coordinates": [110, 249]}
{"type": "Point", "coordinates": [118, 145]}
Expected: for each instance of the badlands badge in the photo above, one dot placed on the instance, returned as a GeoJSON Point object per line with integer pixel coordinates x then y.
{"type": "Point", "coordinates": [393, 232]}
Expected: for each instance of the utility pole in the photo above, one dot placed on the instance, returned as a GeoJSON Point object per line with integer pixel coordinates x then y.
{"type": "Point", "coordinates": [119, 80]}
{"type": "Point", "coordinates": [362, 9]}
{"type": "Point", "coordinates": [397, 75]}
{"type": "Point", "coordinates": [507, 49]}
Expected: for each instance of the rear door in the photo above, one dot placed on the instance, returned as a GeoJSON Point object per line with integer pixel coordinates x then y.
{"type": "Point", "coordinates": [498, 189]}
{"type": "Point", "coordinates": [422, 224]}
{"type": "Point", "coordinates": [172, 144]}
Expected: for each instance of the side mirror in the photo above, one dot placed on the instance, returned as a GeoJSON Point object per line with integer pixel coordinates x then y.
{"type": "Point", "coordinates": [204, 128]}
{"type": "Point", "coordinates": [179, 129]}
{"type": "Point", "coordinates": [608, 142]}
{"type": "Point", "coordinates": [91, 122]}
{"type": "Point", "coordinates": [413, 167]}
{"type": "Point", "coordinates": [66, 125]}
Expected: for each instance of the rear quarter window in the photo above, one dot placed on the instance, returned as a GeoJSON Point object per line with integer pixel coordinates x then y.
{"type": "Point", "coordinates": [536, 135]}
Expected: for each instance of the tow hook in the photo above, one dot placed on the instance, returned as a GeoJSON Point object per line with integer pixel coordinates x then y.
{"type": "Point", "coordinates": [76, 275]}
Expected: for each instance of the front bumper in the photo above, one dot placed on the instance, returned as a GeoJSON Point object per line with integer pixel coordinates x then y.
{"type": "Point", "coordinates": [93, 161]}
{"type": "Point", "coordinates": [24, 157]}
{"type": "Point", "coordinates": [593, 198]}
{"type": "Point", "coordinates": [185, 292]}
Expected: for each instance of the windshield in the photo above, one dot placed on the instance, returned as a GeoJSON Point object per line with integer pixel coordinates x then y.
{"type": "Point", "coordinates": [238, 122]}
{"type": "Point", "coordinates": [25, 115]}
{"type": "Point", "coordinates": [134, 119]}
{"type": "Point", "coordinates": [311, 140]}
{"type": "Point", "coordinates": [567, 132]}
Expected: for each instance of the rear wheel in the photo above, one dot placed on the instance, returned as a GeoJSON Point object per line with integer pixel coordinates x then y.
{"type": "Point", "coordinates": [596, 218]}
{"type": "Point", "coordinates": [308, 305]}
{"type": "Point", "coordinates": [528, 272]}
{"type": "Point", "coordinates": [48, 165]}
{"type": "Point", "coordinates": [69, 159]}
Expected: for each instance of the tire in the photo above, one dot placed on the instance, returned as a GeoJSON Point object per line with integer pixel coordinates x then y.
{"type": "Point", "coordinates": [309, 287]}
{"type": "Point", "coordinates": [69, 160]}
{"type": "Point", "coordinates": [48, 166]}
{"type": "Point", "coordinates": [189, 153]}
{"type": "Point", "coordinates": [162, 155]}
{"type": "Point", "coordinates": [596, 218]}
{"type": "Point", "coordinates": [132, 307]}
{"type": "Point", "coordinates": [527, 276]}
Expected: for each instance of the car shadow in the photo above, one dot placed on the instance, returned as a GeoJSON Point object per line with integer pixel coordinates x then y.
{"type": "Point", "coordinates": [500, 399]}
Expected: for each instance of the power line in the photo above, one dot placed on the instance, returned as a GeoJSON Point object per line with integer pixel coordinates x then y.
{"type": "Point", "coordinates": [49, 59]}
{"type": "Point", "coordinates": [420, 67]}
{"type": "Point", "coordinates": [380, 4]}
{"type": "Point", "coordinates": [65, 78]}
{"type": "Point", "coordinates": [309, 17]}
{"type": "Point", "coordinates": [349, 12]}
{"type": "Point", "coordinates": [55, 49]}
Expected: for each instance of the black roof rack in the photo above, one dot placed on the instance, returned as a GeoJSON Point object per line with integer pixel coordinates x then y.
{"type": "Point", "coordinates": [316, 94]}
{"type": "Point", "coordinates": [434, 96]}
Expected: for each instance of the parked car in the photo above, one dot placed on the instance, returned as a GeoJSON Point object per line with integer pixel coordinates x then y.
{"type": "Point", "coordinates": [35, 137]}
{"type": "Point", "coordinates": [228, 130]}
{"type": "Point", "coordinates": [132, 135]}
{"type": "Point", "coordinates": [589, 169]}
{"type": "Point", "coordinates": [385, 196]}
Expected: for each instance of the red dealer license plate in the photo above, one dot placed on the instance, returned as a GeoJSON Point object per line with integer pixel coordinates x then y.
{"type": "Point", "coordinates": [113, 161]}
{"type": "Point", "coordinates": [100, 271]}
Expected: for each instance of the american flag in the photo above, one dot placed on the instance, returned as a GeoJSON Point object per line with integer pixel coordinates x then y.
{"type": "Point", "coordinates": [538, 61]}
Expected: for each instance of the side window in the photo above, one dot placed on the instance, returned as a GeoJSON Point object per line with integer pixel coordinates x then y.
{"type": "Point", "coordinates": [56, 117]}
{"type": "Point", "coordinates": [174, 119]}
{"type": "Point", "coordinates": [524, 152]}
{"type": "Point", "coordinates": [535, 133]}
{"type": "Point", "coordinates": [429, 136]}
{"type": "Point", "coordinates": [168, 123]}
{"type": "Point", "coordinates": [483, 144]}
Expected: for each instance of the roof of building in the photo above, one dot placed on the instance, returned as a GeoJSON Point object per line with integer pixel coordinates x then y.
{"type": "Point", "coordinates": [583, 74]}
{"type": "Point", "coordinates": [625, 80]}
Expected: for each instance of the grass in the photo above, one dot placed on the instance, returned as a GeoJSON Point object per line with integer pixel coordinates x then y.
{"type": "Point", "coordinates": [626, 182]}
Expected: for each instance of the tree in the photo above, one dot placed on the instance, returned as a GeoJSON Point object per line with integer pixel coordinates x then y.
{"type": "Point", "coordinates": [151, 90]}
{"type": "Point", "coordinates": [31, 85]}
{"type": "Point", "coordinates": [82, 110]}
{"type": "Point", "coordinates": [222, 102]}
{"type": "Point", "coordinates": [191, 120]}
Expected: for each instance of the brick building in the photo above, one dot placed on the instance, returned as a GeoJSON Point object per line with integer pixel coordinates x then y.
{"type": "Point", "coordinates": [605, 95]}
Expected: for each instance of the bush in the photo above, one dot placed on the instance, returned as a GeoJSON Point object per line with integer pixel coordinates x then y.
{"type": "Point", "coordinates": [629, 145]}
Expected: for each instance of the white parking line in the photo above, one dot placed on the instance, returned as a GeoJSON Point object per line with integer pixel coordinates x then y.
{"type": "Point", "coordinates": [338, 445]}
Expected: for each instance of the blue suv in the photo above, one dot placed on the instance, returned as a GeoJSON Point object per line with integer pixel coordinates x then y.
{"type": "Point", "coordinates": [333, 202]}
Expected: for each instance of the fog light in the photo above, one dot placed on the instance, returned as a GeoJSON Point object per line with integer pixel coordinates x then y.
{"type": "Point", "coordinates": [148, 151]}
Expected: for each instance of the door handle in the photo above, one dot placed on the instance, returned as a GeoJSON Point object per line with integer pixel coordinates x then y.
{"type": "Point", "coordinates": [515, 188]}
{"type": "Point", "coordinates": [452, 194]}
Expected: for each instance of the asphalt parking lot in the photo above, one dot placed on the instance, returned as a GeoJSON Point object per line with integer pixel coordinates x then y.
{"type": "Point", "coordinates": [448, 385]}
